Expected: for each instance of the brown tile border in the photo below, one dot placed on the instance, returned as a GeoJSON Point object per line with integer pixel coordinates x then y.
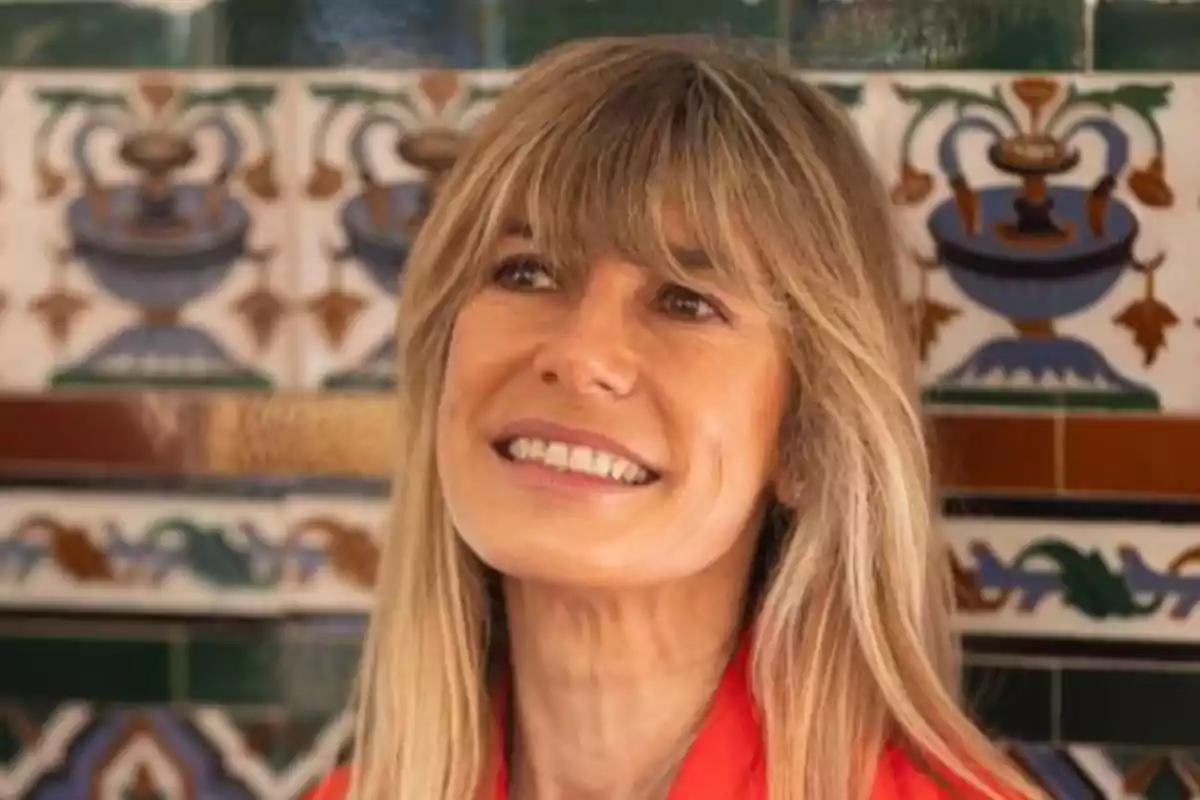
{"type": "Point", "coordinates": [348, 435]}
{"type": "Point", "coordinates": [118, 433]}
{"type": "Point", "coordinates": [1146, 455]}
{"type": "Point", "coordinates": [222, 435]}
{"type": "Point", "coordinates": [1016, 454]}
{"type": "Point", "coordinates": [280, 435]}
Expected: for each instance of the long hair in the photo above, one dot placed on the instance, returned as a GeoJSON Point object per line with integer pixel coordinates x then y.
{"type": "Point", "coordinates": [593, 148]}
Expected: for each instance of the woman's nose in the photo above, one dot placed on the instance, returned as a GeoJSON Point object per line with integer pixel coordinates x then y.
{"type": "Point", "coordinates": [589, 350]}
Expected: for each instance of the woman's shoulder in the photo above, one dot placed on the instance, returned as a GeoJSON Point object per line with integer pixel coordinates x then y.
{"type": "Point", "coordinates": [332, 787]}
{"type": "Point", "coordinates": [903, 778]}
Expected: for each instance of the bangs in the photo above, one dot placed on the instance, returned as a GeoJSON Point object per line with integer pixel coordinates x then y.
{"type": "Point", "coordinates": [649, 166]}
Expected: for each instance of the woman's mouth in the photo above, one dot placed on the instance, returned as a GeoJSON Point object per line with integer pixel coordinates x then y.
{"type": "Point", "coordinates": [574, 459]}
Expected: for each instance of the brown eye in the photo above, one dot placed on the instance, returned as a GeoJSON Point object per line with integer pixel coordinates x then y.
{"type": "Point", "coordinates": [524, 274]}
{"type": "Point", "coordinates": [683, 303]}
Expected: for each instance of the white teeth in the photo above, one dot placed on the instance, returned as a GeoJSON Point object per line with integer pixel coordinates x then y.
{"type": "Point", "coordinates": [572, 458]}
{"type": "Point", "coordinates": [557, 455]}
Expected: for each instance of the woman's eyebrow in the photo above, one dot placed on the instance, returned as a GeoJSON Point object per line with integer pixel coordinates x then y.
{"type": "Point", "coordinates": [691, 257]}
{"type": "Point", "coordinates": [517, 228]}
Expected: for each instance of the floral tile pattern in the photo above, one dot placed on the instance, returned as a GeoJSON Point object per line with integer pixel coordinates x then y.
{"type": "Point", "coordinates": [1049, 222]}
{"type": "Point", "coordinates": [79, 751]}
{"type": "Point", "coordinates": [335, 542]}
{"type": "Point", "coordinates": [317, 554]}
{"type": "Point", "coordinates": [374, 147]}
{"type": "Point", "coordinates": [1080, 772]}
{"type": "Point", "coordinates": [1067, 579]}
{"type": "Point", "coordinates": [249, 231]}
{"type": "Point", "coordinates": [144, 554]}
{"type": "Point", "coordinates": [152, 219]}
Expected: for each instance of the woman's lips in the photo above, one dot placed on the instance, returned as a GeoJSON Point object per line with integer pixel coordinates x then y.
{"type": "Point", "coordinates": [574, 437]}
{"type": "Point", "coordinates": [552, 455]}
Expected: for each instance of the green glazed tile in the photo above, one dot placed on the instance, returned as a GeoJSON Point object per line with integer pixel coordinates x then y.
{"type": "Point", "coordinates": [233, 664]}
{"type": "Point", "coordinates": [90, 34]}
{"type": "Point", "coordinates": [532, 26]}
{"type": "Point", "coordinates": [242, 33]}
{"type": "Point", "coordinates": [1142, 35]}
{"type": "Point", "coordinates": [1126, 706]}
{"type": "Point", "coordinates": [124, 670]}
{"type": "Point", "coordinates": [394, 34]}
{"type": "Point", "coordinates": [318, 672]}
{"type": "Point", "coordinates": [1011, 702]}
{"type": "Point", "coordinates": [11, 740]}
{"type": "Point", "coordinates": [280, 738]}
{"type": "Point", "coordinates": [20, 726]}
{"type": "Point", "coordinates": [1168, 785]}
{"type": "Point", "coordinates": [919, 34]}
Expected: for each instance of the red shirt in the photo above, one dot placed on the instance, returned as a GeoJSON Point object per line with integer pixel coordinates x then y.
{"type": "Point", "coordinates": [726, 761]}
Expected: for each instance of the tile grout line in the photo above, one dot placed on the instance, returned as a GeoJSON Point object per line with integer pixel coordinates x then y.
{"type": "Point", "coordinates": [1056, 705]}
{"type": "Point", "coordinates": [1097, 664]}
{"type": "Point", "coordinates": [1060, 451]}
{"type": "Point", "coordinates": [179, 667]}
{"type": "Point", "coordinates": [1089, 36]}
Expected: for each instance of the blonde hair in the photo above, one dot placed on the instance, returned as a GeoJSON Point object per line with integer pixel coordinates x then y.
{"type": "Point", "coordinates": [591, 149]}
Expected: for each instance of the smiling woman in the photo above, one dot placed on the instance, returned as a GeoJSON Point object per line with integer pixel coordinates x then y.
{"type": "Point", "coordinates": [662, 524]}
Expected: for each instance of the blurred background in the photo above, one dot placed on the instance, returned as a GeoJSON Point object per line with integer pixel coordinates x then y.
{"type": "Point", "coordinates": [204, 212]}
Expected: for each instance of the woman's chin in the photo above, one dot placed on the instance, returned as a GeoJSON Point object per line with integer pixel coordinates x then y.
{"type": "Point", "coordinates": [578, 552]}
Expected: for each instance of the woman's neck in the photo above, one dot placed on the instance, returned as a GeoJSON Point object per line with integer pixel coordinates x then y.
{"type": "Point", "coordinates": [611, 686]}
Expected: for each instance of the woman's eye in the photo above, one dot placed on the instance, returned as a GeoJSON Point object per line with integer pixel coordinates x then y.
{"type": "Point", "coordinates": [524, 274]}
{"type": "Point", "coordinates": [683, 303]}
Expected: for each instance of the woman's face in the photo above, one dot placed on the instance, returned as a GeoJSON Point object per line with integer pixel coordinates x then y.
{"type": "Point", "coordinates": [618, 432]}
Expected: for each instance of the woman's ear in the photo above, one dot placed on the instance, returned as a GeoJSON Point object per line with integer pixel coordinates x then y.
{"type": "Point", "coordinates": [786, 485]}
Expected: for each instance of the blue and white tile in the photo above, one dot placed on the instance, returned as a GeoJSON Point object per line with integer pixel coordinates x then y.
{"type": "Point", "coordinates": [1026, 316]}
{"type": "Point", "coordinates": [373, 146]}
{"type": "Point", "coordinates": [153, 228]}
{"type": "Point", "coordinates": [141, 553]}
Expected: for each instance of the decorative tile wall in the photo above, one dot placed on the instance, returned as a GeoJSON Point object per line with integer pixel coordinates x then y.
{"type": "Point", "coordinates": [218, 198]}
{"type": "Point", "coordinates": [1062, 579]}
{"type": "Point", "coordinates": [221, 629]}
{"type": "Point", "coordinates": [1050, 231]}
{"type": "Point", "coordinates": [374, 147]}
{"type": "Point", "coordinates": [150, 212]}
{"type": "Point", "coordinates": [851, 34]}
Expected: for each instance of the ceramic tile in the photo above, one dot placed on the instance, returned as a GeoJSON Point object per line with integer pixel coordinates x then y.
{"type": "Point", "coordinates": [1075, 306]}
{"type": "Point", "coordinates": [110, 34]}
{"type": "Point", "coordinates": [1044, 578]}
{"type": "Point", "coordinates": [1102, 455]}
{"type": "Point", "coordinates": [321, 659]}
{"type": "Point", "coordinates": [334, 545]}
{"type": "Point", "coordinates": [1147, 35]}
{"type": "Point", "coordinates": [45, 668]}
{"type": "Point", "coordinates": [980, 34]}
{"type": "Point", "coordinates": [984, 452]}
{"type": "Point", "coordinates": [92, 753]}
{"type": "Point", "coordinates": [529, 27]}
{"type": "Point", "coordinates": [373, 145]}
{"type": "Point", "coordinates": [152, 224]}
{"type": "Point", "coordinates": [413, 34]}
{"type": "Point", "coordinates": [148, 554]}
{"type": "Point", "coordinates": [274, 756]}
{"type": "Point", "coordinates": [852, 90]}
{"type": "Point", "coordinates": [103, 33]}
{"type": "Point", "coordinates": [1076, 772]}
{"type": "Point", "coordinates": [1107, 705]}
{"type": "Point", "coordinates": [1012, 702]}
{"type": "Point", "coordinates": [87, 752]}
